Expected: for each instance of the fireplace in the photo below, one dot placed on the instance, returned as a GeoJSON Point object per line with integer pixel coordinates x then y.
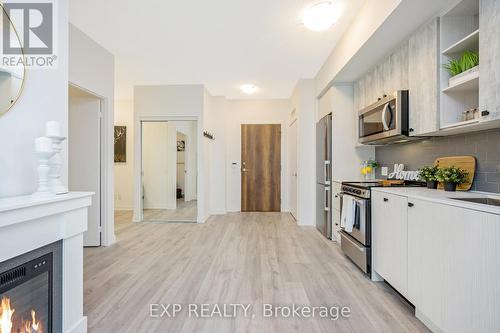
{"type": "Point", "coordinates": [30, 292]}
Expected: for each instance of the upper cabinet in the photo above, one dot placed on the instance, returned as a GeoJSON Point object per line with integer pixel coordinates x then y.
{"type": "Point", "coordinates": [445, 101]}
{"type": "Point", "coordinates": [423, 74]}
{"type": "Point", "coordinates": [459, 92]}
{"type": "Point", "coordinates": [489, 51]}
{"type": "Point", "coordinates": [389, 76]}
{"type": "Point", "coordinates": [470, 99]}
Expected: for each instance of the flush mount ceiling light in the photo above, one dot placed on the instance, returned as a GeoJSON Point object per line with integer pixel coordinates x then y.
{"type": "Point", "coordinates": [321, 15]}
{"type": "Point", "coordinates": [249, 89]}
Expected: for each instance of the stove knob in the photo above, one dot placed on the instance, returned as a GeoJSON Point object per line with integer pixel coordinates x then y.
{"type": "Point", "coordinates": [358, 191]}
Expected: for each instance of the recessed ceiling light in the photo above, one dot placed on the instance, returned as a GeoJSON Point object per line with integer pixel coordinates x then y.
{"type": "Point", "coordinates": [321, 15]}
{"type": "Point", "coordinates": [249, 89]}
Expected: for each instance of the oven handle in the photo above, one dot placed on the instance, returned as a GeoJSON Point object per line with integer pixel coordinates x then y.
{"type": "Point", "coordinates": [353, 243]}
{"type": "Point", "coordinates": [361, 202]}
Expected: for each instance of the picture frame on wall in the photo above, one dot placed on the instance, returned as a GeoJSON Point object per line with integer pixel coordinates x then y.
{"type": "Point", "coordinates": [120, 144]}
{"type": "Point", "coordinates": [181, 145]}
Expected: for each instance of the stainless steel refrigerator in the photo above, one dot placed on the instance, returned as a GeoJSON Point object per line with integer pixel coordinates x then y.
{"type": "Point", "coordinates": [324, 176]}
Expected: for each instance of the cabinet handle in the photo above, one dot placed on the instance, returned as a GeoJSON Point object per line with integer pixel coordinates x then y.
{"type": "Point", "coordinates": [485, 113]}
{"type": "Point", "coordinates": [385, 199]}
{"type": "Point", "coordinates": [412, 130]}
{"type": "Point", "coordinates": [410, 204]}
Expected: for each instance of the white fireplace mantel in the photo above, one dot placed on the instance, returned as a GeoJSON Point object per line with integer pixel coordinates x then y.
{"type": "Point", "coordinates": [27, 224]}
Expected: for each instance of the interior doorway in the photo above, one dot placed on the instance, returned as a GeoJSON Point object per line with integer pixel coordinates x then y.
{"type": "Point", "coordinates": [84, 155]}
{"type": "Point", "coordinates": [261, 168]}
{"type": "Point", "coordinates": [169, 171]}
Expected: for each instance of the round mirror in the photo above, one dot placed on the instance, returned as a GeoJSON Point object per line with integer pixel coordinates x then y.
{"type": "Point", "coordinates": [12, 65]}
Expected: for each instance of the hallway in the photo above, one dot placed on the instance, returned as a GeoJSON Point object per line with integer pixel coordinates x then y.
{"type": "Point", "coordinates": [250, 258]}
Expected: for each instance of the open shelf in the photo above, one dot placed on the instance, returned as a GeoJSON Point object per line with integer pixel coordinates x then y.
{"type": "Point", "coordinates": [469, 82]}
{"type": "Point", "coordinates": [467, 127]}
{"type": "Point", "coordinates": [469, 43]}
{"type": "Point", "coordinates": [460, 124]}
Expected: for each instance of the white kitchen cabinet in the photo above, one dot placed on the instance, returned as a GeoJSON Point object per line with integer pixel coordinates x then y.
{"type": "Point", "coordinates": [453, 267]}
{"type": "Point", "coordinates": [389, 239]}
{"type": "Point", "coordinates": [423, 79]}
{"type": "Point", "coordinates": [489, 52]}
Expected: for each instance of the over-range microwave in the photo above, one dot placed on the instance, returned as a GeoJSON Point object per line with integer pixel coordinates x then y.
{"type": "Point", "coordinates": [386, 121]}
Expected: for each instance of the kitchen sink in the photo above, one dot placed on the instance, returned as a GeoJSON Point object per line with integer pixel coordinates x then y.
{"type": "Point", "coordinates": [484, 201]}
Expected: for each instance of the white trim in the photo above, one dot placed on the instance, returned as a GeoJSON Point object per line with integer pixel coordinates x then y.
{"type": "Point", "coordinates": [79, 327]}
{"type": "Point", "coordinates": [138, 202]}
{"type": "Point", "coordinates": [108, 236]}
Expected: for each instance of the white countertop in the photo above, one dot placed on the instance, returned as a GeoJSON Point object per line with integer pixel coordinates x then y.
{"type": "Point", "coordinates": [443, 197]}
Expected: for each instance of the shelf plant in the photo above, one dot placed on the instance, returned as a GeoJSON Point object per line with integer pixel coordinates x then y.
{"type": "Point", "coordinates": [451, 177]}
{"type": "Point", "coordinates": [467, 61]}
{"type": "Point", "coordinates": [428, 175]}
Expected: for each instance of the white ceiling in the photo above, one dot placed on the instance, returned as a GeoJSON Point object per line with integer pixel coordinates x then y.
{"type": "Point", "coordinates": [219, 43]}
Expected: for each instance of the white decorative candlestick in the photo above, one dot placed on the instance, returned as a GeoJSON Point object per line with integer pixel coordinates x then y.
{"type": "Point", "coordinates": [55, 184]}
{"type": "Point", "coordinates": [53, 129]}
{"type": "Point", "coordinates": [44, 152]}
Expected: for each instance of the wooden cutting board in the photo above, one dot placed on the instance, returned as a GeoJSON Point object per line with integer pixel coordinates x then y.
{"type": "Point", "coordinates": [468, 163]}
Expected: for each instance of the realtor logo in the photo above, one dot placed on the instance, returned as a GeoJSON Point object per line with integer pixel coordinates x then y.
{"type": "Point", "coordinates": [34, 22]}
{"type": "Point", "coordinates": [28, 33]}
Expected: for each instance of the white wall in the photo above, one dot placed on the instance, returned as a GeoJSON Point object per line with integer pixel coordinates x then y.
{"type": "Point", "coordinates": [303, 101]}
{"type": "Point", "coordinates": [167, 103]}
{"type": "Point", "coordinates": [44, 98]}
{"type": "Point", "coordinates": [367, 21]}
{"type": "Point", "coordinates": [124, 172]}
{"type": "Point", "coordinates": [240, 112]}
{"type": "Point", "coordinates": [92, 68]}
{"type": "Point", "coordinates": [218, 177]}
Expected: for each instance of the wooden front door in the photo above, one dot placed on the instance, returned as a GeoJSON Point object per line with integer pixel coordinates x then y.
{"type": "Point", "coordinates": [260, 168]}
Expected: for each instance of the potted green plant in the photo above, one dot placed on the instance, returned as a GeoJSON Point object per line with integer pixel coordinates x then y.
{"type": "Point", "coordinates": [460, 68]}
{"type": "Point", "coordinates": [428, 175]}
{"type": "Point", "coordinates": [451, 177]}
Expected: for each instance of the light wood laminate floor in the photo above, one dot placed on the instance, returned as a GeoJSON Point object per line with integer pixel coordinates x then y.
{"type": "Point", "coordinates": [186, 211]}
{"type": "Point", "coordinates": [253, 258]}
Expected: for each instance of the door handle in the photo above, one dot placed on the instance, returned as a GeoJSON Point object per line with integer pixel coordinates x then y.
{"type": "Point", "coordinates": [327, 181]}
{"type": "Point", "coordinates": [410, 204]}
{"type": "Point", "coordinates": [327, 197]}
{"type": "Point", "coordinates": [384, 113]}
{"type": "Point", "coordinates": [385, 199]}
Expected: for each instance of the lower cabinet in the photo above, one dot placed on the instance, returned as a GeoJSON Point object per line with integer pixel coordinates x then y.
{"type": "Point", "coordinates": [389, 239]}
{"type": "Point", "coordinates": [454, 267]}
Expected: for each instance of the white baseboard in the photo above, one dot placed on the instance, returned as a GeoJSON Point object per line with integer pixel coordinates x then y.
{"type": "Point", "coordinates": [220, 212]}
{"type": "Point", "coordinates": [124, 208]}
{"type": "Point", "coordinates": [110, 241]}
{"type": "Point", "coordinates": [79, 327]}
{"type": "Point", "coordinates": [427, 322]}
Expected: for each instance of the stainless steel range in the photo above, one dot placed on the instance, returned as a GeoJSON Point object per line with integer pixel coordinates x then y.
{"type": "Point", "coordinates": [357, 243]}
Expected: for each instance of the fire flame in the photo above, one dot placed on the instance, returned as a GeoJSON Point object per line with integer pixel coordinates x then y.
{"type": "Point", "coordinates": [6, 316]}
{"type": "Point", "coordinates": [6, 313]}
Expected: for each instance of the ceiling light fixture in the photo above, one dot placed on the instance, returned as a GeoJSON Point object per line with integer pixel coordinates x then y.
{"type": "Point", "coordinates": [321, 15]}
{"type": "Point", "coordinates": [249, 89]}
